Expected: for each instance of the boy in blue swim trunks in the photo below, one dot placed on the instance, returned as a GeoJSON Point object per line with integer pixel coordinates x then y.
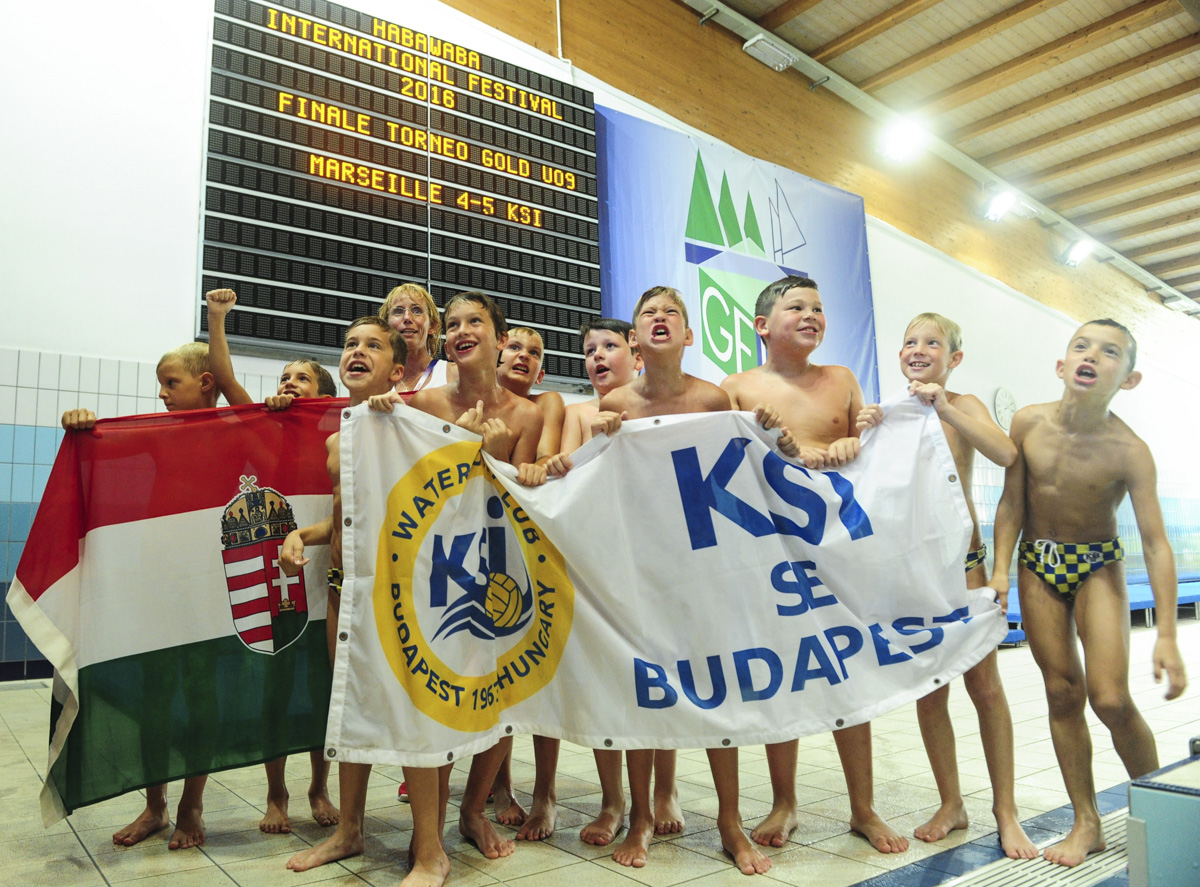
{"type": "Point", "coordinates": [1075, 463]}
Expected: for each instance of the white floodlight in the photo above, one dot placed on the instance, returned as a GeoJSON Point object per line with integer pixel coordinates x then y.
{"type": "Point", "coordinates": [999, 205]}
{"type": "Point", "coordinates": [770, 53]}
{"type": "Point", "coordinates": [1077, 252]}
{"type": "Point", "coordinates": [904, 138]}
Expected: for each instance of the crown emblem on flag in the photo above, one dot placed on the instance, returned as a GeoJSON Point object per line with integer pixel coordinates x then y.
{"type": "Point", "coordinates": [270, 608]}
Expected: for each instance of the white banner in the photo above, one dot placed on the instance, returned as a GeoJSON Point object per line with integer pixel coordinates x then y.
{"type": "Point", "coordinates": [682, 587]}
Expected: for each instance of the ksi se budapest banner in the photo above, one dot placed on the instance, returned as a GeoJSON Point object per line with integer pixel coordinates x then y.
{"type": "Point", "coordinates": [151, 582]}
{"type": "Point", "coordinates": [682, 586]}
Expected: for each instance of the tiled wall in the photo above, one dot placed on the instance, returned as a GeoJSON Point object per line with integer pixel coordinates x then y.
{"type": "Point", "coordinates": [36, 388]}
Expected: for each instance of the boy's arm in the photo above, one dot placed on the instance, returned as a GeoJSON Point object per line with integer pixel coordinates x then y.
{"type": "Point", "coordinates": [847, 449]}
{"type": "Point", "coordinates": [1142, 483]}
{"type": "Point", "coordinates": [526, 447]}
{"type": "Point", "coordinates": [220, 302]}
{"type": "Point", "coordinates": [970, 418]}
{"type": "Point", "coordinates": [291, 552]}
{"type": "Point", "coordinates": [572, 439]}
{"type": "Point", "coordinates": [1010, 512]}
{"type": "Point", "coordinates": [553, 410]}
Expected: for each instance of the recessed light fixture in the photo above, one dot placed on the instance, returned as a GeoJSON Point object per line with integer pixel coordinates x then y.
{"type": "Point", "coordinates": [904, 138]}
{"type": "Point", "coordinates": [1077, 252]}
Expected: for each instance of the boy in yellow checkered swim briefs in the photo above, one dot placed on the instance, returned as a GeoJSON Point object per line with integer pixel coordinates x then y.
{"type": "Point", "coordinates": [1075, 463]}
{"type": "Point", "coordinates": [1066, 565]}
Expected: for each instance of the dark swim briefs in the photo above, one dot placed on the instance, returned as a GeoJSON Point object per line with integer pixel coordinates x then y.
{"type": "Point", "coordinates": [335, 577]}
{"type": "Point", "coordinates": [1065, 565]}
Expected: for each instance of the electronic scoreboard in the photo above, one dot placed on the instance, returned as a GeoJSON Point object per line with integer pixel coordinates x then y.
{"type": "Point", "coordinates": [347, 154]}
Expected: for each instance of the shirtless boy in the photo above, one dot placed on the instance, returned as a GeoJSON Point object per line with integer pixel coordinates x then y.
{"type": "Point", "coordinates": [371, 363]}
{"type": "Point", "coordinates": [820, 406]}
{"type": "Point", "coordinates": [185, 382]}
{"type": "Point", "coordinates": [932, 349]}
{"type": "Point", "coordinates": [612, 362]}
{"type": "Point", "coordinates": [660, 332]}
{"type": "Point", "coordinates": [511, 427]}
{"type": "Point", "coordinates": [303, 377]}
{"type": "Point", "coordinates": [1075, 463]}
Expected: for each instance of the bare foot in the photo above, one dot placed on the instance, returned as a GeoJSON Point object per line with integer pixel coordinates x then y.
{"type": "Point", "coordinates": [603, 830]}
{"type": "Point", "coordinates": [478, 829]}
{"type": "Point", "coordinates": [668, 815]}
{"type": "Point", "coordinates": [948, 818]}
{"type": "Point", "coordinates": [147, 823]}
{"type": "Point", "coordinates": [1013, 839]}
{"type": "Point", "coordinates": [507, 809]}
{"type": "Point", "coordinates": [323, 810]}
{"type": "Point", "coordinates": [275, 822]}
{"type": "Point", "coordinates": [189, 830]}
{"type": "Point", "coordinates": [777, 827]}
{"type": "Point", "coordinates": [1084, 838]}
{"type": "Point", "coordinates": [539, 824]}
{"type": "Point", "coordinates": [427, 873]}
{"type": "Point", "coordinates": [337, 846]}
{"type": "Point", "coordinates": [748, 858]}
{"type": "Point", "coordinates": [632, 851]}
{"type": "Point", "coordinates": [882, 836]}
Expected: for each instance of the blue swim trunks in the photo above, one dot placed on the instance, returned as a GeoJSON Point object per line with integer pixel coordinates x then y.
{"type": "Point", "coordinates": [975, 558]}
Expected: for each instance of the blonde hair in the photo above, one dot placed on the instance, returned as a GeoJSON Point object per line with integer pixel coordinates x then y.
{"type": "Point", "coordinates": [526, 331]}
{"type": "Point", "coordinates": [950, 330]}
{"type": "Point", "coordinates": [661, 291]}
{"type": "Point", "coordinates": [420, 295]}
{"type": "Point", "coordinates": [193, 356]}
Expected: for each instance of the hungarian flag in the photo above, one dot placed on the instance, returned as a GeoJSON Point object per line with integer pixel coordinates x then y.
{"type": "Point", "coordinates": [151, 582]}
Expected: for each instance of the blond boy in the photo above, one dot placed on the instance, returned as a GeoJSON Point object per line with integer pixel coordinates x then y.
{"type": "Point", "coordinates": [932, 349]}
{"type": "Point", "coordinates": [819, 405]}
{"type": "Point", "coordinates": [184, 383]}
{"type": "Point", "coordinates": [1075, 463]}
{"type": "Point", "coordinates": [660, 334]}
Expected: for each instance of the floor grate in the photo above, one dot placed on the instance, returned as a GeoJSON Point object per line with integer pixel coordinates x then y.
{"type": "Point", "coordinates": [1030, 872]}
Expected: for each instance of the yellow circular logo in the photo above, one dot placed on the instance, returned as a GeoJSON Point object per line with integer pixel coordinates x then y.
{"type": "Point", "coordinates": [472, 602]}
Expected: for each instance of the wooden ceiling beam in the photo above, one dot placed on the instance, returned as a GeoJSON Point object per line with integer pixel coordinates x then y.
{"type": "Point", "coordinates": [1104, 155]}
{"type": "Point", "coordinates": [1084, 85]}
{"type": "Point", "coordinates": [1183, 263]}
{"type": "Point", "coordinates": [958, 43]}
{"type": "Point", "coordinates": [1163, 224]}
{"type": "Point", "coordinates": [1191, 281]}
{"type": "Point", "coordinates": [1163, 246]}
{"type": "Point", "coordinates": [1091, 124]}
{"type": "Point", "coordinates": [1155, 172]}
{"type": "Point", "coordinates": [889, 18]}
{"type": "Point", "coordinates": [784, 13]}
{"type": "Point", "coordinates": [1114, 27]}
{"type": "Point", "coordinates": [1133, 206]}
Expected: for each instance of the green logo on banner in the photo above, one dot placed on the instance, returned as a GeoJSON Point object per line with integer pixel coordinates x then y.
{"type": "Point", "coordinates": [727, 319]}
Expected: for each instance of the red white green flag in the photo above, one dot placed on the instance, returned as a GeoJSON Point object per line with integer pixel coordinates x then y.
{"type": "Point", "coordinates": [150, 581]}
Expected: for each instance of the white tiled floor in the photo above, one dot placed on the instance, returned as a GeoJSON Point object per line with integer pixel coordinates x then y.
{"type": "Point", "coordinates": [822, 852]}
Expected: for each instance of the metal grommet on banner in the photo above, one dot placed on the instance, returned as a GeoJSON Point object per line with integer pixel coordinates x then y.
{"type": "Point", "coordinates": [331, 753]}
{"type": "Point", "coordinates": [937, 682]}
{"type": "Point", "coordinates": [839, 722]}
{"type": "Point", "coordinates": [658, 421]}
{"type": "Point", "coordinates": [346, 521]}
{"type": "Point", "coordinates": [446, 429]}
{"type": "Point", "coordinates": [508, 729]}
{"type": "Point", "coordinates": [725, 742]}
{"type": "Point", "coordinates": [608, 743]}
{"type": "Point", "coordinates": [346, 414]}
{"type": "Point", "coordinates": [342, 636]}
{"type": "Point", "coordinates": [449, 756]}
{"type": "Point", "coordinates": [954, 478]}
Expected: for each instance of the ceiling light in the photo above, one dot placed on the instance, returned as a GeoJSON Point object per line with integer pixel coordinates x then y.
{"type": "Point", "coordinates": [999, 205]}
{"type": "Point", "coordinates": [769, 52]}
{"type": "Point", "coordinates": [1077, 252]}
{"type": "Point", "coordinates": [903, 139]}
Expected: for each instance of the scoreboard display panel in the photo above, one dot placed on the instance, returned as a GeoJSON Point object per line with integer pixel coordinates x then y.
{"type": "Point", "coordinates": [347, 154]}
